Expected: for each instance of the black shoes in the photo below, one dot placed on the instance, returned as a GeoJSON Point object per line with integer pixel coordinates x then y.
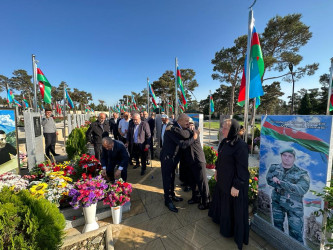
{"type": "Point", "coordinates": [175, 198]}
{"type": "Point", "coordinates": [136, 166]}
{"type": "Point", "coordinates": [202, 206]}
{"type": "Point", "coordinates": [143, 172]}
{"type": "Point", "coordinates": [193, 201]}
{"type": "Point", "coordinates": [56, 154]}
{"type": "Point", "coordinates": [148, 162]}
{"type": "Point", "coordinates": [171, 207]}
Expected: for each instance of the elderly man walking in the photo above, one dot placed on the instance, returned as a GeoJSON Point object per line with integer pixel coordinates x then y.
{"type": "Point", "coordinates": [138, 137]}
{"type": "Point", "coordinates": [96, 131]}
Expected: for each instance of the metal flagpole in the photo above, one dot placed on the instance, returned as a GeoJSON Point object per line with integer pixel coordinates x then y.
{"type": "Point", "coordinates": [247, 89]}
{"type": "Point", "coordinates": [148, 96]}
{"type": "Point", "coordinates": [176, 90]}
{"type": "Point", "coordinates": [329, 88]}
{"type": "Point", "coordinates": [64, 114]}
{"type": "Point", "coordinates": [210, 112]}
{"type": "Point", "coordinates": [34, 74]}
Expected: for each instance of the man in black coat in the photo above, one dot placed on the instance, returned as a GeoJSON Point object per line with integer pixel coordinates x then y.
{"type": "Point", "coordinates": [138, 137]}
{"type": "Point", "coordinates": [96, 131]}
{"type": "Point", "coordinates": [170, 156]}
{"type": "Point", "coordinates": [114, 155]}
{"type": "Point", "coordinates": [151, 123]}
{"type": "Point", "coordinates": [114, 123]}
{"type": "Point", "coordinates": [194, 158]}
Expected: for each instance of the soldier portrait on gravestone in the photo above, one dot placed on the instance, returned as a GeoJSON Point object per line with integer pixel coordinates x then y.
{"type": "Point", "coordinates": [290, 184]}
{"type": "Point", "coordinates": [8, 141]}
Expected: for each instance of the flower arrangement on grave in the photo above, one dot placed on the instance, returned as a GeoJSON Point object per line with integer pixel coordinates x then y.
{"type": "Point", "coordinates": [118, 193]}
{"type": "Point", "coordinates": [87, 164]}
{"type": "Point", "coordinates": [253, 184]}
{"type": "Point", "coordinates": [87, 191]}
{"type": "Point", "coordinates": [13, 181]}
{"type": "Point", "coordinates": [211, 156]}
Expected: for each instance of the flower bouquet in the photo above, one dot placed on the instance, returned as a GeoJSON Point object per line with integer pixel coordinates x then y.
{"type": "Point", "coordinates": [210, 156]}
{"type": "Point", "coordinates": [87, 164]}
{"type": "Point", "coordinates": [118, 194]}
{"type": "Point", "coordinates": [253, 184]}
{"type": "Point", "coordinates": [87, 191]}
{"type": "Point", "coordinates": [13, 181]}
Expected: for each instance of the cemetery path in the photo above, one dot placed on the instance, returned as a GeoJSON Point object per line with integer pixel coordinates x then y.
{"type": "Point", "coordinates": [150, 225]}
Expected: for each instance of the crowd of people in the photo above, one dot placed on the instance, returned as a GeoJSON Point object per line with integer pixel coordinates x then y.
{"type": "Point", "coordinates": [124, 140]}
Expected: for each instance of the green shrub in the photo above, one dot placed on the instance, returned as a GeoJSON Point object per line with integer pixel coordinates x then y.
{"type": "Point", "coordinates": [256, 132]}
{"type": "Point", "coordinates": [210, 154]}
{"type": "Point", "coordinates": [29, 223]}
{"type": "Point", "coordinates": [76, 143]}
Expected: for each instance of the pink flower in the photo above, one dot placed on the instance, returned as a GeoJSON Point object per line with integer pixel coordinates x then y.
{"type": "Point", "coordinates": [255, 178]}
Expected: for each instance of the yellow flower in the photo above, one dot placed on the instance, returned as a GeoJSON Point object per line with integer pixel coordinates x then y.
{"type": "Point", "coordinates": [250, 180]}
{"type": "Point", "coordinates": [38, 189]}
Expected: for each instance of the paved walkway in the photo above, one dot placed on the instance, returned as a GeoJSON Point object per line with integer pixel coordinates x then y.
{"type": "Point", "coordinates": [150, 225]}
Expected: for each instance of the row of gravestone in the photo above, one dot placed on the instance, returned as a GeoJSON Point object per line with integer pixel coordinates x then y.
{"type": "Point", "coordinates": [76, 121]}
{"type": "Point", "coordinates": [34, 135]}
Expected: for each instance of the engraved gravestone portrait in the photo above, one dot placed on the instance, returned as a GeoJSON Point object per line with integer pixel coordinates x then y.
{"type": "Point", "coordinates": [37, 127]}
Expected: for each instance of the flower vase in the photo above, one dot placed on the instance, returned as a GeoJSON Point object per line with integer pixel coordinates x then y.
{"type": "Point", "coordinates": [116, 213]}
{"type": "Point", "coordinates": [90, 218]}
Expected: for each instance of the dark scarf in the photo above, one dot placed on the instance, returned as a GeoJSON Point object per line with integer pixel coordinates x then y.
{"type": "Point", "coordinates": [233, 135]}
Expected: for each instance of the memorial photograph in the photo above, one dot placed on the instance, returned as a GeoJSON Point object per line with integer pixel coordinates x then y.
{"type": "Point", "coordinates": [294, 162]}
{"type": "Point", "coordinates": [8, 141]}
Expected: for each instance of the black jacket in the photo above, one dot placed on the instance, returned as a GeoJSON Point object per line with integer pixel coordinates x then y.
{"type": "Point", "coordinates": [95, 133]}
{"type": "Point", "coordinates": [151, 123]}
{"type": "Point", "coordinates": [194, 153]}
{"type": "Point", "coordinates": [118, 156]}
{"type": "Point", "coordinates": [174, 139]}
{"type": "Point", "coordinates": [114, 126]}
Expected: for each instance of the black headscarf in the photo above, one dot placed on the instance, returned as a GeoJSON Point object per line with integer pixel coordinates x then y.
{"type": "Point", "coordinates": [233, 135]}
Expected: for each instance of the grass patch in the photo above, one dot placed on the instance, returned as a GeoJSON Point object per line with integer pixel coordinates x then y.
{"type": "Point", "coordinates": [216, 125]}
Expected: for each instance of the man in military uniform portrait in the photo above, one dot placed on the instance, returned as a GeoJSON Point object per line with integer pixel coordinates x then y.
{"type": "Point", "coordinates": [290, 184]}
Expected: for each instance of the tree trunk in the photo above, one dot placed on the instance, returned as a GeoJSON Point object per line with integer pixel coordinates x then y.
{"type": "Point", "coordinates": [231, 109]}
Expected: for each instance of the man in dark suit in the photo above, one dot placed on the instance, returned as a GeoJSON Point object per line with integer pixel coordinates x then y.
{"type": "Point", "coordinates": [165, 123]}
{"type": "Point", "coordinates": [195, 161]}
{"type": "Point", "coordinates": [114, 122]}
{"type": "Point", "coordinates": [170, 156]}
{"type": "Point", "coordinates": [96, 131]}
{"type": "Point", "coordinates": [138, 137]}
{"type": "Point", "coordinates": [151, 123]}
{"type": "Point", "coordinates": [114, 155]}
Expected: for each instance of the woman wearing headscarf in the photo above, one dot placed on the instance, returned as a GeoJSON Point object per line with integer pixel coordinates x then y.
{"type": "Point", "coordinates": [229, 206]}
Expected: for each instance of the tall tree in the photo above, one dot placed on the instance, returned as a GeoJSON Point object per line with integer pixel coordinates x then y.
{"type": "Point", "coordinates": [22, 81]}
{"type": "Point", "coordinates": [228, 63]}
{"type": "Point", "coordinates": [270, 100]}
{"type": "Point", "coordinates": [4, 81]}
{"type": "Point", "coordinates": [305, 107]}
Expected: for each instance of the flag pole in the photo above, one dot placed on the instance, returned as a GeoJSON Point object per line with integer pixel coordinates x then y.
{"type": "Point", "coordinates": [176, 89]}
{"type": "Point", "coordinates": [329, 88]}
{"type": "Point", "coordinates": [210, 111]}
{"type": "Point", "coordinates": [148, 96]}
{"type": "Point", "coordinates": [247, 88]}
{"type": "Point", "coordinates": [34, 74]}
{"type": "Point", "coordinates": [64, 114]}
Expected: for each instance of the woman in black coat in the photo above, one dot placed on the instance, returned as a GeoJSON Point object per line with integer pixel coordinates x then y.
{"type": "Point", "coordinates": [229, 207]}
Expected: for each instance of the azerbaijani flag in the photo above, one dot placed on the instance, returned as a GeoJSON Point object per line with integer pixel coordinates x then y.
{"type": "Point", "coordinates": [211, 102]}
{"type": "Point", "coordinates": [17, 103]}
{"type": "Point", "coordinates": [44, 85]}
{"type": "Point", "coordinates": [171, 107]}
{"type": "Point", "coordinates": [134, 103]}
{"type": "Point", "coordinates": [310, 142]}
{"type": "Point", "coordinates": [331, 97]}
{"type": "Point", "coordinates": [256, 72]}
{"type": "Point", "coordinates": [182, 109]}
{"type": "Point", "coordinates": [26, 104]}
{"type": "Point", "coordinates": [181, 87]}
{"type": "Point", "coordinates": [69, 99]}
{"type": "Point", "coordinates": [153, 97]}
{"type": "Point", "coordinates": [10, 98]}
{"type": "Point", "coordinates": [312, 202]}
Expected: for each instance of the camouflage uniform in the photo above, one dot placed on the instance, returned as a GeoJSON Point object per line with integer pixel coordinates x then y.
{"type": "Point", "coordinates": [287, 197]}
